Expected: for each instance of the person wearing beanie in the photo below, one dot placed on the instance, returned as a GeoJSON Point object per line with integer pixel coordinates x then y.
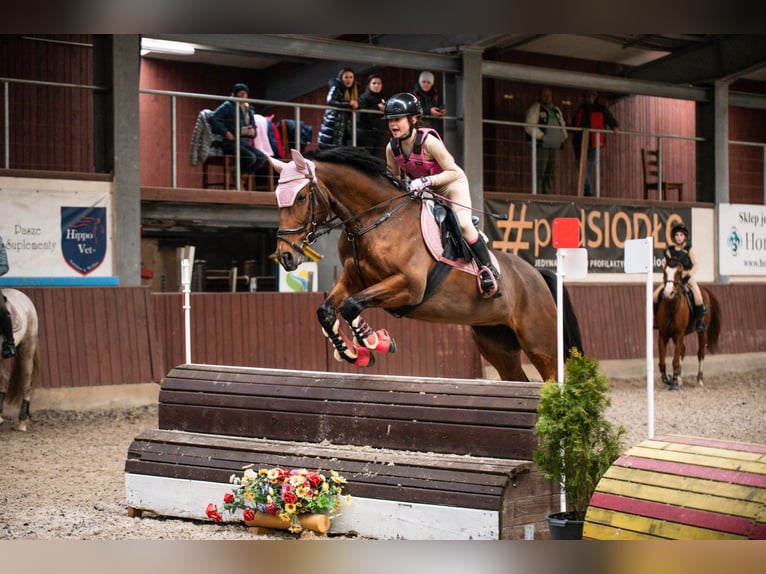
{"type": "Point", "coordinates": [428, 95]}
{"type": "Point", "coordinates": [223, 123]}
{"type": "Point", "coordinates": [336, 123]}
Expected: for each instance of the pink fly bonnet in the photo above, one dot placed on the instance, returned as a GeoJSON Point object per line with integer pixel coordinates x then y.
{"type": "Point", "coordinates": [293, 177]}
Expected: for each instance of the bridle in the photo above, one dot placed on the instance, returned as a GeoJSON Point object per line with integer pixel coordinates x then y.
{"type": "Point", "coordinates": [314, 229]}
{"type": "Point", "coordinates": [310, 226]}
{"type": "Point", "coordinates": [678, 288]}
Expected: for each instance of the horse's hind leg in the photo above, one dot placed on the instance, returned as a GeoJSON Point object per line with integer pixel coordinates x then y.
{"type": "Point", "coordinates": [23, 371]}
{"type": "Point", "coordinates": [499, 346]}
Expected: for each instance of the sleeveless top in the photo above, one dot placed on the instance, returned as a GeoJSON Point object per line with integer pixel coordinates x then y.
{"type": "Point", "coordinates": [680, 255]}
{"type": "Point", "coordinates": [416, 165]}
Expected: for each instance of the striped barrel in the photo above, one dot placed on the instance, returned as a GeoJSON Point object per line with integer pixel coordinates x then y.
{"type": "Point", "coordinates": [682, 488]}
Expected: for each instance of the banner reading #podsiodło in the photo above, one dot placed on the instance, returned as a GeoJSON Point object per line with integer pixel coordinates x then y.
{"type": "Point", "coordinates": [604, 229]}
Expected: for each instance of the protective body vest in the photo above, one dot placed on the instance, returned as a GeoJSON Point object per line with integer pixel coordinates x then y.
{"type": "Point", "coordinates": [680, 255]}
{"type": "Point", "coordinates": [416, 164]}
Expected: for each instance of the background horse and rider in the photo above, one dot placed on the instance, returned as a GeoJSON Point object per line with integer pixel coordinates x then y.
{"type": "Point", "coordinates": [25, 372]}
{"type": "Point", "coordinates": [675, 320]}
{"type": "Point", "coordinates": [386, 262]}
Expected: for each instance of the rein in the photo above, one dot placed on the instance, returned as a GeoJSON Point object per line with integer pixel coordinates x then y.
{"type": "Point", "coordinates": [314, 230]}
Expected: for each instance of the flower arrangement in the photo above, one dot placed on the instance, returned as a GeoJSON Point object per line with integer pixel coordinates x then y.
{"type": "Point", "coordinates": [282, 492]}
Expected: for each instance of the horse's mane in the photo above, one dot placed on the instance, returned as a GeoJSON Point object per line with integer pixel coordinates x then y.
{"type": "Point", "coordinates": [358, 158]}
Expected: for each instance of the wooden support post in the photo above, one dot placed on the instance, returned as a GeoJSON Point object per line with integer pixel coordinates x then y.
{"type": "Point", "coordinates": [583, 163]}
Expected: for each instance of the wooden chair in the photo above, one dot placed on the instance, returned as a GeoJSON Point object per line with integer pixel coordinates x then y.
{"type": "Point", "coordinates": [651, 165]}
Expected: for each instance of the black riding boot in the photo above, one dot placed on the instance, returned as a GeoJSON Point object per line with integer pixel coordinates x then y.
{"type": "Point", "coordinates": [699, 314]}
{"type": "Point", "coordinates": [487, 271]}
{"type": "Point", "coordinates": [9, 348]}
{"type": "Point", "coordinates": [654, 316]}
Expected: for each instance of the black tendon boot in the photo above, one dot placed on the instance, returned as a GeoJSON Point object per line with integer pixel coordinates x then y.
{"type": "Point", "coordinates": [9, 348]}
{"type": "Point", "coordinates": [699, 314]}
{"type": "Point", "coordinates": [487, 272]}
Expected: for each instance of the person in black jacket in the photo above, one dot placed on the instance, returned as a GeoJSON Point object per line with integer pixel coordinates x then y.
{"type": "Point", "coordinates": [428, 95]}
{"type": "Point", "coordinates": [223, 122]}
{"type": "Point", "coordinates": [336, 124]}
{"type": "Point", "coordinates": [371, 131]}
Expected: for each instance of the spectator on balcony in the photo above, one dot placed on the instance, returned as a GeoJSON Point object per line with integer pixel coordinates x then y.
{"type": "Point", "coordinates": [223, 122]}
{"type": "Point", "coordinates": [548, 130]}
{"type": "Point", "coordinates": [593, 115]}
{"type": "Point", "coordinates": [336, 125]}
{"type": "Point", "coordinates": [371, 130]}
{"type": "Point", "coordinates": [428, 96]}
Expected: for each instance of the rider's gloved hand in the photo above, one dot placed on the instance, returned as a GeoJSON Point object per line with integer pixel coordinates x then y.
{"type": "Point", "coordinates": [420, 184]}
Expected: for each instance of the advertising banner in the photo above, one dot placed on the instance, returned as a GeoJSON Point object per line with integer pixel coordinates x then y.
{"type": "Point", "coordinates": [741, 239]}
{"type": "Point", "coordinates": [604, 229]}
{"type": "Point", "coordinates": [57, 234]}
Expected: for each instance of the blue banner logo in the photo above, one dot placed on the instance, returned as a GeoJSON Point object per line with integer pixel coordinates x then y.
{"type": "Point", "coordinates": [83, 237]}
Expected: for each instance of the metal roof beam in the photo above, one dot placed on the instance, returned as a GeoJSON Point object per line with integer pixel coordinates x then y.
{"type": "Point", "coordinates": [724, 59]}
{"type": "Point", "coordinates": [552, 77]}
{"type": "Point", "coordinates": [323, 49]}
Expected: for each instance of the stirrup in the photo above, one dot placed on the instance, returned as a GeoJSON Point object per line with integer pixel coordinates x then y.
{"type": "Point", "coordinates": [487, 283]}
{"type": "Point", "coordinates": [700, 325]}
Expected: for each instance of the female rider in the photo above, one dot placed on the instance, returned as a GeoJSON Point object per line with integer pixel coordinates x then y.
{"type": "Point", "coordinates": [419, 153]}
{"type": "Point", "coordinates": [683, 253]}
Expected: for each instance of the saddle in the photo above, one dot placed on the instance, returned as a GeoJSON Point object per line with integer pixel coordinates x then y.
{"type": "Point", "coordinates": [444, 240]}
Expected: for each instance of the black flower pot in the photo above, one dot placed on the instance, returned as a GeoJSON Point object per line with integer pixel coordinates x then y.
{"type": "Point", "coordinates": [562, 526]}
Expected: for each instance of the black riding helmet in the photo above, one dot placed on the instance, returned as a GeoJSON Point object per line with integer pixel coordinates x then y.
{"type": "Point", "coordinates": [679, 227]}
{"type": "Point", "coordinates": [402, 104]}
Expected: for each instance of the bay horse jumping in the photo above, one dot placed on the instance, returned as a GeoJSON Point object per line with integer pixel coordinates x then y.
{"type": "Point", "coordinates": [386, 263]}
{"type": "Point", "coordinates": [675, 320]}
{"type": "Point", "coordinates": [25, 372]}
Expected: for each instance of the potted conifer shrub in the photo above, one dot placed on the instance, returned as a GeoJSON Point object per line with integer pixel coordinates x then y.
{"type": "Point", "coordinates": [575, 440]}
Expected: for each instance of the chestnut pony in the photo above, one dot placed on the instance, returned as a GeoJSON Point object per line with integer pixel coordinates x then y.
{"type": "Point", "coordinates": [675, 320]}
{"type": "Point", "coordinates": [387, 264]}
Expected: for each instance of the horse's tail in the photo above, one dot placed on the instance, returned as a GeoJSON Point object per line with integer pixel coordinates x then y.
{"type": "Point", "coordinates": [714, 320]}
{"type": "Point", "coordinates": [572, 336]}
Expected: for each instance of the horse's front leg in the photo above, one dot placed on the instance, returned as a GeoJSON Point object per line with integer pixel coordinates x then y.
{"type": "Point", "coordinates": [392, 292]}
{"type": "Point", "coordinates": [678, 353]}
{"type": "Point", "coordinates": [662, 348]}
{"type": "Point", "coordinates": [345, 350]}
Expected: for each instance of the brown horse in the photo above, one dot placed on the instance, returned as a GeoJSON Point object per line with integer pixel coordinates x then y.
{"type": "Point", "coordinates": [386, 264]}
{"type": "Point", "coordinates": [675, 321]}
{"type": "Point", "coordinates": [25, 372]}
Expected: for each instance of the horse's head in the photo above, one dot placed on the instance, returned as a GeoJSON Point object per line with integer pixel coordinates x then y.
{"type": "Point", "coordinates": [672, 276]}
{"type": "Point", "coordinates": [301, 210]}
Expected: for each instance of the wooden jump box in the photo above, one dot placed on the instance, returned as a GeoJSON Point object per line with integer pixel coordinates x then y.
{"type": "Point", "coordinates": [424, 458]}
{"type": "Point", "coordinates": [682, 488]}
